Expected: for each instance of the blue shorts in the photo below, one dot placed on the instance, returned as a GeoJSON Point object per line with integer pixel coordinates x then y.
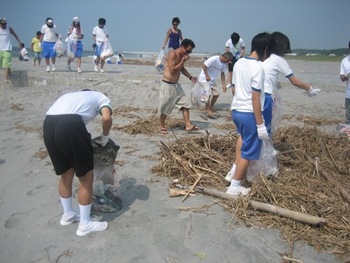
{"type": "Point", "coordinates": [79, 51]}
{"type": "Point", "coordinates": [267, 113]}
{"type": "Point", "coordinates": [246, 127]}
{"type": "Point", "coordinates": [37, 55]}
{"type": "Point", "coordinates": [98, 50]}
{"type": "Point", "coordinates": [49, 49]}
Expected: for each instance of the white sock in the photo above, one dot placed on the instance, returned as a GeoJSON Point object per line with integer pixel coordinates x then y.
{"type": "Point", "coordinates": [67, 204]}
{"type": "Point", "coordinates": [233, 169]}
{"type": "Point", "coordinates": [85, 211]}
{"type": "Point", "coordinates": [235, 182]}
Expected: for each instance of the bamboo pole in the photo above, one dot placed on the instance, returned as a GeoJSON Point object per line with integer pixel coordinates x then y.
{"type": "Point", "coordinates": [297, 216]}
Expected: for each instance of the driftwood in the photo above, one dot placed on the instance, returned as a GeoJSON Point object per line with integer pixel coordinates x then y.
{"type": "Point", "coordinates": [173, 192]}
{"type": "Point", "coordinates": [329, 177]}
{"type": "Point", "coordinates": [297, 216]}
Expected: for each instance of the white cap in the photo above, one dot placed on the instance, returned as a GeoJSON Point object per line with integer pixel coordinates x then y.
{"type": "Point", "coordinates": [49, 22]}
{"type": "Point", "coordinates": [76, 19]}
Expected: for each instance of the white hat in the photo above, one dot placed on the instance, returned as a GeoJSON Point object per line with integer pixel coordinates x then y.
{"type": "Point", "coordinates": [49, 22]}
{"type": "Point", "coordinates": [76, 19]}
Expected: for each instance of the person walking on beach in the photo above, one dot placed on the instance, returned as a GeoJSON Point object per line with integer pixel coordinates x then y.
{"type": "Point", "coordinates": [6, 47]}
{"type": "Point", "coordinates": [49, 36]}
{"type": "Point", "coordinates": [36, 48]}
{"type": "Point", "coordinates": [69, 146]}
{"type": "Point", "coordinates": [246, 107]}
{"type": "Point", "coordinates": [206, 79]}
{"type": "Point", "coordinates": [75, 44]}
{"type": "Point", "coordinates": [100, 35]}
{"type": "Point", "coordinates": [236, 46]}
{"type": "Point", "coordinates": [173, 36]}
{"type": "Point", "coordinates": [345, 77]}
{"type": "Point", "coordinates": [171, 93]}
{"type": "Point", "coordinates": [274, 65]}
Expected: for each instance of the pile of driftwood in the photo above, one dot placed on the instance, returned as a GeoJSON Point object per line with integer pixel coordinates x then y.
{"type": "Point", "coordinates": [308, 200]}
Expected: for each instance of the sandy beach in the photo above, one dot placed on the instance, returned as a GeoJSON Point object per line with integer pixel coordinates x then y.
{"type": "Point", "coordinates": [150, 227]}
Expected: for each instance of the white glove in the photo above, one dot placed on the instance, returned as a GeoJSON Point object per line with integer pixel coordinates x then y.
{"type": "Point", "coordinates": [103, 140]}
{"type": "Point", "coordinates": [262, 131]}
{"type": "Point", "coordinates": [312, 92]}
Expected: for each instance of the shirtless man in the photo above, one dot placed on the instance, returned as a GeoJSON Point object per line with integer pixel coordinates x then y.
{"type": "Point", "coordinates": [171, 93]}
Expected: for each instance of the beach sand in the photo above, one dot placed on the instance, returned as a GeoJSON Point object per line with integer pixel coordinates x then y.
{"type": "Point", "coordinates": [150, 227]}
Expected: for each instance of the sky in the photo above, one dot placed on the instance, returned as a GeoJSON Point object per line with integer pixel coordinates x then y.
{"type": "Point", "coordinates": [141, 25]}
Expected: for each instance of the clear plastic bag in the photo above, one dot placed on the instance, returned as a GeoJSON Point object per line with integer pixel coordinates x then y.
{"type": "Point", "coordinates": [59, 48]}
{"type": "Point", "coordinates": [71, 48]}
{"type": "Point", "coordinates": [267, 164]}
{"type": "Point", "coordinates": [196, 95]}
{"type": "Point", "coordinates": [107, 50]}
{"type": "Point", "coordinates": [277, 112]}
{"type": "Point", "coordinates": [160, 60]}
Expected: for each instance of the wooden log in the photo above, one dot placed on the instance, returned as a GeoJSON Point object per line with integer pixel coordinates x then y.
{"type": "Point", "coordinates": [329, 177]}
{"type": "Point", "coordinates": [179, 192]}
{"type": "Point", "coordinates": [297, 216]}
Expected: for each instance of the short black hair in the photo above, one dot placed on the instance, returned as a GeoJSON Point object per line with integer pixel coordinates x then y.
{"type": "Point", "coordinates": [187, 42]}
{"type": "Point", "coordinates": [176, 20]}
{"type": "Point", "coordinates": [38, 33]}
{"type": "Point", "coordinates": [281, 44]}
{"type": "Point", "coordinates": [262, 42]}
{"type": "Point", "coordinates": [235, 38]}
{"type": "Point", "coordinates": [101, 21]}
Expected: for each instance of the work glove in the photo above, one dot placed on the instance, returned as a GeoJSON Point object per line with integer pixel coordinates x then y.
{"type": "Point", "coordinates": [103, 140]}
{"type": "Point", "coordinates": [312, 92]}
{"type": "Point", "coordinates": [262, 132]}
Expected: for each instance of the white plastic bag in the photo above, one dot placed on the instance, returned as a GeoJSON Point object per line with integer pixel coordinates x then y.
{"type": "Point", "coordinates": [59, 48]}
{"type": "Point", "coordinates": [196, 95]}
{"type": "Point", "coordinates": [71, 48]}
{"type": "Point", "coordinates": [267, 163]}
{"type": "Point", "coordinates": [160, 61]}
{"type": "Point", "coordinates": [107, 50]}
{"type": "Point", "coordinates": [277, 112]}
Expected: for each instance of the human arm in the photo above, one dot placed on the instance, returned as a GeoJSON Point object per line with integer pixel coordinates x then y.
{"type": "Point", "coordinates": [106, 126]}
{"type": "Point", "coordinates": [242, 52]}
{"type": "Point", "coordinates": [260, 124]}
{"type": "Point", "coordinates": [302, 85]}
{"type": "Point", "coordinates": [344, 78]}
{"type": "Point", "coordinates": [181, 37]}
{"type": "Point", "coordinates": [166, 39]}
{"type": "Point", "coordinates": [206, 73]}
{"type": "Point", "coordinates": [223, 81]}
{"type": "Point", "coordinates": [16, 36]}
{"type": "Point", "coordinates": [188, 75]}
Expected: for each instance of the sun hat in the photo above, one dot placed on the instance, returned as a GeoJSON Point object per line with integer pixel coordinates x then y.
{"type": "Point", "coordinates": [49, 22]}
{"type": "Point", "coordinates": [76, 19]}
{"type": "Point", "coordinates": [3, 20]}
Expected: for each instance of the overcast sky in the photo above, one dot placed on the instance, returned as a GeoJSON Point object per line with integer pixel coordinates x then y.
{"type": "Point", "coordinates": [140, 25]}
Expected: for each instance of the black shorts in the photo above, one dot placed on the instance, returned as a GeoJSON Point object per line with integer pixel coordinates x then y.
{"type": "Point", "coordinates": [231, 64]}
{"type": "Point", "coordinates": [68, 144]}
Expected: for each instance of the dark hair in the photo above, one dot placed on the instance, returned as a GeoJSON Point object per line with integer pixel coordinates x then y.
{"type": "Point", "coordinates": [281, 44]}
{"type": "Point", "coordinates": [262, 43]}
{"type": "Point", "coordinates": [235, 38]}
{"type": "Point", "coordinates": [176, 20]}
{"type": "Point", "coordinates": [349, 44]}
{"type": "Point", "coordinates": [38, 33]}
{"type": "Point", "coordinates": [22, 44]}
{"type": "Point", "coordinates": [47, 19]}
{"type": "Point", "coordinates": [101, 21]}
{"type": "Point", "coordinates": [187, 42]}
{"type": "Point", "coordinates": [228, 55]}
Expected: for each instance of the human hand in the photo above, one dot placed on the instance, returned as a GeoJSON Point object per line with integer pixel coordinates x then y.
{"type": "Point", "coordinates": [262, 132]}
{"type": "Point", "coordinates": [103, 140]}
{"type": "Point", "coordinates": [312, 92]}
{"type": "Point", "coordinates": [194, 79]}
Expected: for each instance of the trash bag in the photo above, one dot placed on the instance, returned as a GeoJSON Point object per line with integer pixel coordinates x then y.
{"type": "Point", "coordinates": [196, 95]}
{"type": "Point", "coordinates": [59, 48]}
{"type": "Point", "coordinates": [106, 198]}
{"type": "Point", "coordinates": [104, 155]}
{"type": "Point", "coordinates": [267, 163]}
{"type": "Point", "coordinates": [160, 61]}
{"type": "Point", "coordinates": [71, 48]}
{"type": "Point", "coordinates": [107, 50]}
{"type": "Point", "coordinates": [277, 112]}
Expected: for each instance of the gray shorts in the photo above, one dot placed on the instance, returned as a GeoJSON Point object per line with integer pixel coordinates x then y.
{"type": "Point", "coordinates": [171, 96]}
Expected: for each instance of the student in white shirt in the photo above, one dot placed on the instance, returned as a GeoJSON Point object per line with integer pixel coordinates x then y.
{"type": "Point", "coordinates": [236, 46]}
{"type": "Point", "coordinates": [100, 35]}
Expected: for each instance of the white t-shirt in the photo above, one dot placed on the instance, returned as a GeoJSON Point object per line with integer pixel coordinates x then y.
{"type": "Point", "coordinates": [215, 66]}
{"type": "Point", "coordinates": [87, 104]}
{"type": "Point", "coordinates": [49, 33]}
{"type": "Point", "coordinates": [273, 66]}
{"type": "Point", "coordinates": [5, 39]}
{"type": "Point", "coordinates": [235, 50]}
{"type": "Point", "coordinates": [24, 53]}
{"type": "Point", "coordinates": [345, 70]}
{"type": "Point", "coordinates": [73, 33]}
{"type": "Point", "coordinates": [100, 33]}
{"type": "Point", "coordinates": [248, 74]}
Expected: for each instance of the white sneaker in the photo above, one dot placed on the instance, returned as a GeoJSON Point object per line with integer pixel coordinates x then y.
{"type": "Point", "coordinates": [53, 68]}
{"type": "Point", "coordinates": [238, 190]}
{"type": "Point", "coordinates": [65, 220]}
{"type": "Point", "coordinates": [79, 70]}
{"type": "Point", "coordinates": [47, 68]}
{"type": "Point", "coordinates": [69, 68]}
{"type": "Point", "coordinates": [96, 68]}
{"type": "Point", "coordinates": [91, 227]}
{"type": "Point", "coordinates": [101, 70]}
{"type": "Point", "coordinates": [230, 174]}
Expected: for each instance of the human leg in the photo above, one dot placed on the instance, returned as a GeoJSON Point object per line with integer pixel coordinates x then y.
{"type": "Point", "coordinates": [347, 110]}
{"type": "Point", "coordinates": [162, 119]}
{"type": "Point", "coordinates": [210, 104]}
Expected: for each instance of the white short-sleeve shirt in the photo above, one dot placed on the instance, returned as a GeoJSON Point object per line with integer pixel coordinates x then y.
{"type": "Point", "coordinates": [87, 104]}
{"type": "Point", "coordinates": [100, 33]}
{"type": "Point", "coordinates": [273, 66]}
{"type": "Point", "coordinates": [345, 70]}
{"type": "Point", "coordinates": [215, 66]}
{"type": "Point", "coordinates": [73, 33]}
{"type": "Point", "coordinates": [49, 33]}
{"type": "Point", "coordinates": [235, 49]}
{"type": "Point", "coordinates": [248, 74]}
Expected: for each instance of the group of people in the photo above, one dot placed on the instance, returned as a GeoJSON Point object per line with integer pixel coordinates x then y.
{"type": "Point", "coordinates": [253, 82]}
